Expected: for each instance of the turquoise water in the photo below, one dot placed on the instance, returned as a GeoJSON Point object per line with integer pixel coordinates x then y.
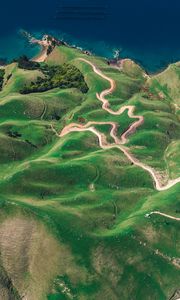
{"type": "Point", "coordinates": [14, 45]}
{"type": "Point", "coordinates": [152, 58]}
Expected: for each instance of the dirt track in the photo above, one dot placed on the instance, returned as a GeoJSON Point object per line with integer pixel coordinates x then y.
{"type": "Point", "coordinates": [162, 214]}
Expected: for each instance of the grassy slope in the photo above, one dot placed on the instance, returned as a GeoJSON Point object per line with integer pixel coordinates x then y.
{"type": "Point", "coordinates": [92, 201]}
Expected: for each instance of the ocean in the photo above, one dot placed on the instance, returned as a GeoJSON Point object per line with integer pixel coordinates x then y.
{"type": "Point", "coordinates": [144, 30]}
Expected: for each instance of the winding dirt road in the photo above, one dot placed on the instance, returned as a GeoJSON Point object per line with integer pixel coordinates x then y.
{"type": "Point", "coordinates": [119, 143]}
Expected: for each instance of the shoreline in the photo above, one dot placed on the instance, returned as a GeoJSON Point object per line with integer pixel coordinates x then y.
{"type": "Point", "coordinates": [47, 41]}
{"type": "Point", "coordinates": [45, 44]}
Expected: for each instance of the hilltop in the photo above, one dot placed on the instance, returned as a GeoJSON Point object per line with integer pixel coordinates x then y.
{"type": "Point", "coordinates": [89, 179]}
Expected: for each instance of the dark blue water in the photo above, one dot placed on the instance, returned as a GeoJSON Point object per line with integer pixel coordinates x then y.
{"type": "Point", "coordinates": [145, 30]}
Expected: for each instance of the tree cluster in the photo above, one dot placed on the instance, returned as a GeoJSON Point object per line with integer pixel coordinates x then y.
{"type": "Point", "coordinates": [64, 76]}
{"type": "Point", "coordinates": [2, 72]}
{"type": "Point", "coordinates": [24, 63]}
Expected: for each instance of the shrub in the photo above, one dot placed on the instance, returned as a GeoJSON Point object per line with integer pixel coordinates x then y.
{"type": "Point", "coordinates": [2, 72]}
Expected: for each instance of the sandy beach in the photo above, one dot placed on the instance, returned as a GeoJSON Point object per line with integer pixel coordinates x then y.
{"type": "Point", "coordinates": [44, 43]}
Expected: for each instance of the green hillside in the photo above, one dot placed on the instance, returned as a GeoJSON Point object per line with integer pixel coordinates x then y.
{"type": "Point", "coordinates": [73, 215]}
